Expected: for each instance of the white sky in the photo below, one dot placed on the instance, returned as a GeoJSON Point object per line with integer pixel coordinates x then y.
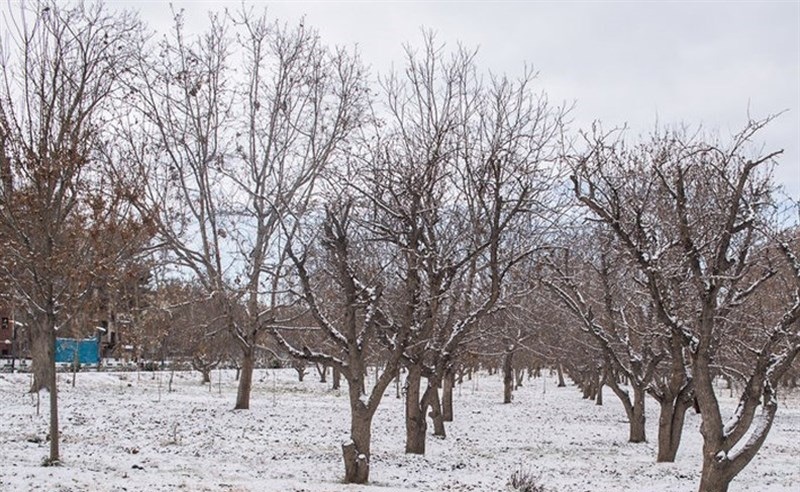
{"type": "Point", "coordinates": [621, 62]}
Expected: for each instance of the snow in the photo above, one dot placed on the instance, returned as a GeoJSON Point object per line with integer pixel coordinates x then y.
{"type": "Point", "coordinates": [124, 431]}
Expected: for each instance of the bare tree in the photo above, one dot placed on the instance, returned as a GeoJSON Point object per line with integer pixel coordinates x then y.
{"type": "Point", "coordinates": [60, 66]}
{"type": "Point", "coordinates": [595, 287]}
{"type": "Point", "coordinates": [694, 216]}
{"type": "Point", "coordinates": [459, 168]}
{"type": "Point", "coordinates": [353, 322]}
{"type": "Point", "coordinates": [230, 160]}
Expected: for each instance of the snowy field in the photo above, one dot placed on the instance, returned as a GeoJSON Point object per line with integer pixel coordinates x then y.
{"type": "Point", "coordinates": [125, 432]}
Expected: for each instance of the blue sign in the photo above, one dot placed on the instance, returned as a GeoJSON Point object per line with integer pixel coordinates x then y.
{"type": "Point", "coordinates": [88, 350]}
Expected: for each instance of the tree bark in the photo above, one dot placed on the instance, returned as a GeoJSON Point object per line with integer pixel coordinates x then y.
{"type": "Point", "coordinates": [447, 397]}
{"type": "Point", "coordinates": [245, 381]}
{"type": "Point", "coordinates": [508, 375]}
{"type": "Point", "coordinates": [416, 425]}
{"type": "Point", "coordinates": [337, 378]}
{"type": "Point", "coordinates": [560, 372]}
{"type": "Point", "coordinates": [601, 377]}
{"type": "Point", "coordinates": [598, 398]}
{"type": "Point", "coordinates": [55, 437]}
{"type": "Point", "coordinates": [431, 400]}
{"type": "Point", "coordinates": [637, 417]}
{"type": "Point", "coordinates": [43, 346]}
{"type": "Point", "coordinates": [323, 373]}
{"type": "Point", "coordinates": [519, 375]}
{"type": "Point", "coordinates": [634, 410]}
{"type": "Point", "coordinates": [670, 428]}
{"type": "Point", "coordinates": [356, 452]}
{"type": "Point", "coordinates": [713, 478]}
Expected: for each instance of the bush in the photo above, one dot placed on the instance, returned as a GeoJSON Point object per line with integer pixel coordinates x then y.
{"type": "Point", "coordinates": [525, 481]}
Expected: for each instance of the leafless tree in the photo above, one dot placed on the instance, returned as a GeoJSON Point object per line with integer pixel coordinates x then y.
{"type": "Point", "coordinates": [229, 159]}
{"type": "Point", "coordinates": [351, 318]}
{"type": "Point", "coordinates": [694, 215]}
{"type": "Point", "coordinates": [595, 286]}
{"type": "Point", "coordinates": [457, 168]}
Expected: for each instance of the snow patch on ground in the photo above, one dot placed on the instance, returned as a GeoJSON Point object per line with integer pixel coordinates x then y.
{"type": "Point", "coordinates": [125, 432]}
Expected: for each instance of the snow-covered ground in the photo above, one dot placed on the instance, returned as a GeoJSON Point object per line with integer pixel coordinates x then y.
{"type": "Point", "coordinates": [125, 432]}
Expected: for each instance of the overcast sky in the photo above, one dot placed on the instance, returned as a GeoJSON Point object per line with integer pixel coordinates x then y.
{"type": "Point", "coordinates": [621, 62]}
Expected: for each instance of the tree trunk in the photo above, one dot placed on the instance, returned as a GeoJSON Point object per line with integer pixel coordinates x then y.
{"type": "Point", "coordinates": [245, 381]}
{"type": "Point", "coordinates": [560, 372]}
{"type": "Point", "coordinates": [713, 478]}
{"type": "Point", "coordinates": [431, 400]}
{"type": "Point", "coordinates": [55, 437]}
{"type": "Point", "coordinates": [416, 425]}
{"type": "Point", "coordinates": [508, 375]}
{"type": "Point", "coordinates": [601, 378]}
{"type": "Point", "coordinates": [43, 347]}
{"type": "Point", "coordinates": [206, 371]}
{"type": "Point", "coordinates": [337, 378]}
{"type": "Point", "coordinates": [356, 452]}
{"type": "Point", "coordinates": [670, 428]}
{"type": "Point", "coordinates": [637, 417]}
{"type": "Point", "coordinates": [634, 410]}
{"type": "Point", "coordinates": [519, 376]}
{"type": "Point", "coordinates": [398, 394]}
{"type": "Point", "coordinates": [447, 397]}
{"type": "Point", "coordinates": [598, 399]}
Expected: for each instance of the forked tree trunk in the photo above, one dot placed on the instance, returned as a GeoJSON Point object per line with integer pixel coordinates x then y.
{"type": "Point", "coordinates": [675, 399]}
{"type": "Point", "coordinates": [416, 424]}
{"type": "Point", "coordinates": [601, 378]}
{"type": "Point", "coordinates": [634, 410]}
{"type": "Point", "coordinates": [519, 375]}
{"type": "Point", "coordinates": [323, 373]}
{"type": "Point", "coordinates": [245, 381]}
{"type": "Point", "coordinates": [508, 375]}
{"type": "Point", "coordinates": [431, 400]}
{"type": "Point", "coordinates": [713, 478]}
{"type": "Point", "coordinates": [670, 428]}
{"type": "Point", "coordinates": [447, 397]}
